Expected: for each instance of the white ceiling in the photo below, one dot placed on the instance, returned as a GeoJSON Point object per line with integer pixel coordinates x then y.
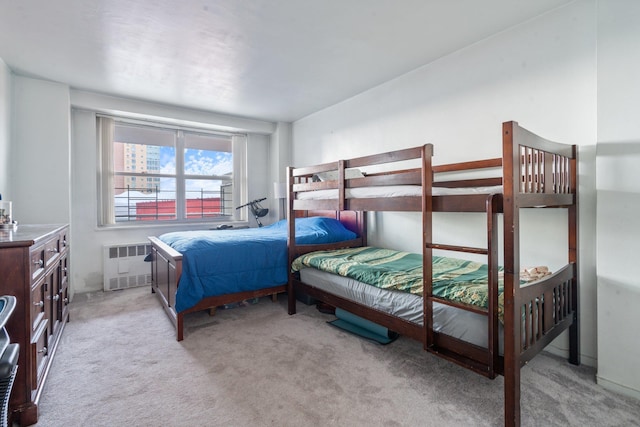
{"type": "Point", "coordinates": [275, 60]}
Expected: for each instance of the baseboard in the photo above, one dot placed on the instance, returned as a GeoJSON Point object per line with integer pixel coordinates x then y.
{"type": "Point", "coordinates": [618, 388]}
{"type": "Point", "coordinates": [564, 353]}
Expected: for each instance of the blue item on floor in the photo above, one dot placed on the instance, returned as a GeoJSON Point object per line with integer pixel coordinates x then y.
{"type": "Point", "coordinates": [363, 327]}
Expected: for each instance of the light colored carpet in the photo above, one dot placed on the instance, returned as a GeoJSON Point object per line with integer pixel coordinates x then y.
{"type": "Point", "coordinates": [120, 365]}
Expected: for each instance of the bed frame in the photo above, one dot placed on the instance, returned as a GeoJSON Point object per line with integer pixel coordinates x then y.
{"type": "Point", "coordinates": [533, 172]}
{"type": "Point", "coordinates": [166, 268]}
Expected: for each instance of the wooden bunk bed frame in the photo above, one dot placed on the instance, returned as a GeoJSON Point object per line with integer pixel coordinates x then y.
{"type": "Point", "coordinates": [536, 173]}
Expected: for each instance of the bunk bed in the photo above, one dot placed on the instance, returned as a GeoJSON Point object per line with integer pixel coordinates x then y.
{"type": "Point", "coordinates": [204, 269]}
{"type": "Point", "coordinates": [519, 318]}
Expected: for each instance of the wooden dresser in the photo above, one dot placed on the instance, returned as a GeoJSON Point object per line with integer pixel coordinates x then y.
{"type": "Point", "coordinates": [34, 264]}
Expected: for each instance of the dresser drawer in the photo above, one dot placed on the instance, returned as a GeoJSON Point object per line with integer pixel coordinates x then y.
{"type": "Point", "coordinates": [37, 257]}
{"type": "Point", "coordinates": [40, 354]}
{"type": "Point", "coordinates": [64, 241]}
{"type": "Point", "coordinates": [39, 299]}
{"type": "Point", "coordinates": [62, 300]}
{"type": "Point", "coordinates": [52, 251]}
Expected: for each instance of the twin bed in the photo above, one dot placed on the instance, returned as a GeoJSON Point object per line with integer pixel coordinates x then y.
{"type": "Point", "coordinates": [489, 318]}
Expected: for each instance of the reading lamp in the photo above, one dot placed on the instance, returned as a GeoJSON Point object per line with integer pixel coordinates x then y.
{"type": "Point", "coordinates": [256, 209]}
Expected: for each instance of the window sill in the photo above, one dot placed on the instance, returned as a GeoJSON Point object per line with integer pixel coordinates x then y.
{"type": "Point", "coordinates": [172, 225]}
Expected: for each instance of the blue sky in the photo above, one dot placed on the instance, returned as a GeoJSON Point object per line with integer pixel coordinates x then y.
{"type": "Point", "coordinates": [197, 162]}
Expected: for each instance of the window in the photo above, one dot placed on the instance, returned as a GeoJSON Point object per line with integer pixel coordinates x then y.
{"type": "Point", "coordinates": [155, 173]}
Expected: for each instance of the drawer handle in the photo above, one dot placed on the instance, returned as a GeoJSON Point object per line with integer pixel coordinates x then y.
{"type": "Point", "coordinates": [43, 351]}
{"type": "Point", "coordinates": [64, 243]}
{"type": "Point", "coordinates": [66, 300]}
{"type": "Point", "coordinates": [65, 269]}
{"type": "Point", "coordinates": [54, 250]}
{"type": "Point", "coordinates": [56, 297]}
{"type": "Point", "coordinates": [38, 262]}
{"type": "Point", "coordinates": [39, 304]}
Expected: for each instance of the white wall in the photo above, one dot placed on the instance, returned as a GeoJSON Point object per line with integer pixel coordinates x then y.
{"type": "Point", "coordinates": [5, 129]}
{"type": "Point", "coordinates": [40, 152]}
{"type": "Point", "coordinates": [87, 239]}
{"type": "Point", "coordinates": [541, 73]}
{"type": "Point", "coordinates": [280, 158]}
{"type": "Point", "coordinates": [618, 189]}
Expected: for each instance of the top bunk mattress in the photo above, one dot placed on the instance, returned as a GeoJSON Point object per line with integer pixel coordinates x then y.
{"type": "Point", "coordinates": [394, 191]}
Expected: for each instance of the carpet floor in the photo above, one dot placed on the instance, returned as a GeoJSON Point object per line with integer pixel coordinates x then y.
{"type": "Point", "coordinates": [119, 365]}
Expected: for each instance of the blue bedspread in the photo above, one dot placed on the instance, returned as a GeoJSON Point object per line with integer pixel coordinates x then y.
{"type": "Point", "coordinates": [219, 262]}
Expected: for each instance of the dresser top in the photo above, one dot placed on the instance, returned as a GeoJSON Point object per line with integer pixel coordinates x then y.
{"type": "Point", "coordinates": [28, 234]}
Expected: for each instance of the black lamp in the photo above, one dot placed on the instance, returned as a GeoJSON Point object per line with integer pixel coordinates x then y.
{"type": "Point", "coordinates": [256, 209]}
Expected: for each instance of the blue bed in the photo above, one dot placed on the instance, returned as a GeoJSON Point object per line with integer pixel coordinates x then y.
{"type": "Point", "coordinates": [196, 270]}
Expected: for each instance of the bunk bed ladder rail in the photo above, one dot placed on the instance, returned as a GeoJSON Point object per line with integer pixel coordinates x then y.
{"type": "Point", "coordinates": [487, 361]}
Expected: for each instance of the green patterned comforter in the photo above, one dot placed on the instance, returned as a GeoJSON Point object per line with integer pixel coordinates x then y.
{"type": "Point", "coordinates": [453, 279]}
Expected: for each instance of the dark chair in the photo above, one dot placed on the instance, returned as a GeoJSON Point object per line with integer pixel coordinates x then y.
{"type": "Point", "coordinates": [8, 358]}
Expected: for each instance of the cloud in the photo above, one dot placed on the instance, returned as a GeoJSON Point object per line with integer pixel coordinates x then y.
{"type": "Point", "coordinates": [208, 164]}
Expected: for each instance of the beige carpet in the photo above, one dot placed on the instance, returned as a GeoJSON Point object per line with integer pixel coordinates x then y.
{"type": "Point", "coordinates": [120, 365]}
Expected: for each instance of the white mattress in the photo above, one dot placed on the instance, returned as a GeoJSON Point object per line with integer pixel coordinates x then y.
{"type": "Point", "coordinates": [465, 325]}
{"type": "Point", "coordinates": [393, 191]}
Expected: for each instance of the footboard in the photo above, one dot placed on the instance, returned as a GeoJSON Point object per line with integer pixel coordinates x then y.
{"type": "Point", "coordinates": [166, 267]}
{"type": "Point", "coordinates": [548, 310]}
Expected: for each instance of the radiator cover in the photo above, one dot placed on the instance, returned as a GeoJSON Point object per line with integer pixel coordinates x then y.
{"type": "Point", "coordinates": [124, 266]}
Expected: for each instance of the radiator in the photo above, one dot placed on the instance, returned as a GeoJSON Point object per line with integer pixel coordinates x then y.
{"type": "Point", "coordinates": [124, 266]}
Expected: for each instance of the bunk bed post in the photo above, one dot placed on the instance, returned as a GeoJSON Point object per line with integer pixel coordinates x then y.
{"type": "Point", "coordinates": [361, 218]}
{"type": "Point", "coordinates": [493, 206]}
{"type": "Point", "coordinates": [291, 238]}
{"type": "Point", "coordinates": [341, 187]}
{"type": "Point", "coordinates": [179, 326]}
{"type": "Point", "coordinates": [512, 322]}
{"type": "Point", "coordinates": [574, 329]}
{"type": "Point", "coordinates": [427, 241]}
